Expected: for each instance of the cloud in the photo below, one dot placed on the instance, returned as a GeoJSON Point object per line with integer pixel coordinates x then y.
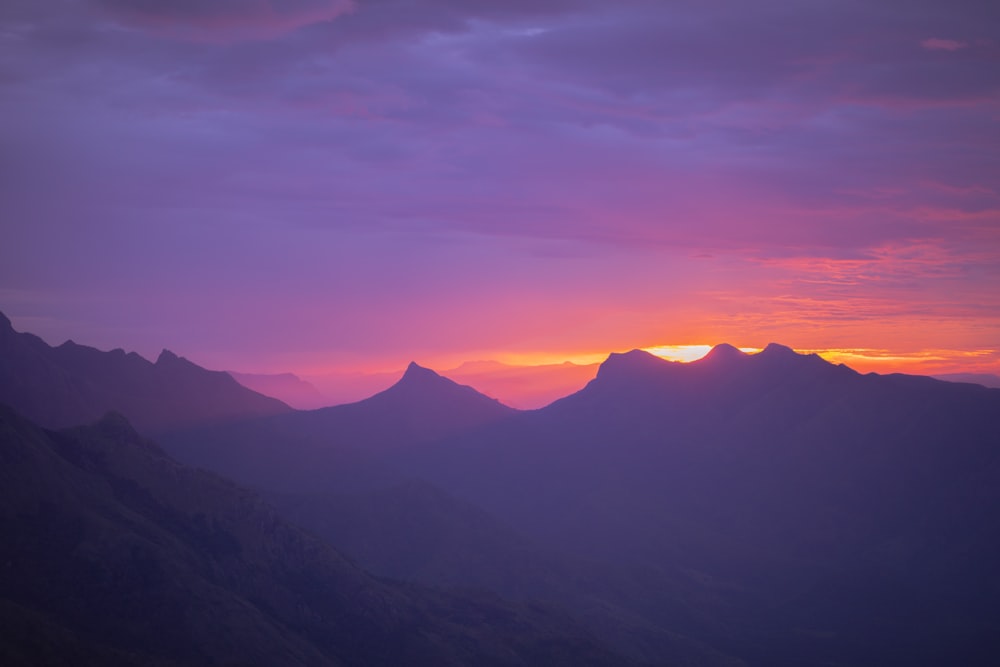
{"type": "Point", "coordinates": [937, 44]}
{"type": "Point", "coordinates": [717, 129]}
{"type": "Point", "coordinates": [225, 20]}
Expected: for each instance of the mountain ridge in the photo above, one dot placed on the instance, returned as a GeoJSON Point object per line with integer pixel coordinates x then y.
{"type": "Point", "coordinates": [71, 383]}
{"type": "Point", "coordinates": [740, 500]}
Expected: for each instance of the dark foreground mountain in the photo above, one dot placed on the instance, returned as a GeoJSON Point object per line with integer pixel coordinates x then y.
{"type": "Point", "coordinates": [775, 506]}
{"type": "Point", "coordinates": [74, 384]}
{"type": "Point", "coordinates": [113, 554]}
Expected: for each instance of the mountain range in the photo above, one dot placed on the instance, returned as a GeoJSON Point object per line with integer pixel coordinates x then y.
{"type": "Point", "coordinates": [775, 506]}
{"type": "Point", "coordinates": [74, 384]}
{"type": "Point", "coordinates": [756, 509]}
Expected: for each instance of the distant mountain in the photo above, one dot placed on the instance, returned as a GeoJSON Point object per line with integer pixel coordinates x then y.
{"type": "Point", "coordinates": [346, 444]}
{"type": "Point", "coordinates": [524, 387]}
{"type": "Point", "coordinates": [286, 387]}
{"type": "Point", "coordinates": [342, 387]}
{"type": "Point", "coordinates": [985, 379]}
{"type": "Point", "coordinates": [428, 405]}
{"type": "Point", "coordinates": [72, 384]}
{"type": "Point", "coordinates": [115, 554]}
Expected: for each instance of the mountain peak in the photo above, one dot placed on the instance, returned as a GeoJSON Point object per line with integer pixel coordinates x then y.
{"type": "Point", "coordinates": [633, 362]}
{"type": "Point", "coordinates": [167, 357]}
{"type": "Point", "coordinates": [778, 351]}
{"type": "Point", "coordinates": [426, 391]}
{"type": "Point", "coordinates": [417, 373]}
{"type": "Point", "coordinates": [782, 357]}
{"type": "Point", "coordinates": [420, 380]}
{"type": "Point", "coordinates": [724, 352]}
{"type": "Point", "coordinates": [5, 323]}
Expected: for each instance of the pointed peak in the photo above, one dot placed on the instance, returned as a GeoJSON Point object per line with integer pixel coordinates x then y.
{"type": "Point", "coordinates": [166, 357]}
{"type": "Point", "coordinates": [423, 386]}
{"type": "Point", "coordinates": [724, 352]}
{"type": "Point", "coordinates": [169, 360]}
{"type": "Point", "coordinates": [5, 323]}
{"type": "Point", "coordinates": [417, 376]}
{"type": "Point", "coordinates": [415, 370]}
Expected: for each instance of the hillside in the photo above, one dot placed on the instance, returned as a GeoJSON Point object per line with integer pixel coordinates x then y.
{"type": "Point", "coordinates": [73, 384]}
{"type": "Point", "coordinates": [115, 554]}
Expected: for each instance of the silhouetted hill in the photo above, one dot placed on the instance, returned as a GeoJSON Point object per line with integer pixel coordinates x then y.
{"type": "Point", "coordinates": [72, 384]}
{"type": "Point", "coordinates": [115, 554]}
{"type": "Point", "coordinates": [347, 444]}
{"type": "Point", "coordinates": [425, 405]}
{"type": "Point", "coordinates": [286, 387]}
{"type": "Point", "coordinates": [414, 532]}
{"type": "Point", "coordinates": [336, 471]}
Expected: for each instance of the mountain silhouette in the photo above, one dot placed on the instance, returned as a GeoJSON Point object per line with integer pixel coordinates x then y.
{"type": "Point", "coordinates": [310, 450]}
{"type": "Point", "coordinates": [115, 554]}
{"type": "Point", "coordinates": [286, 387]}
{"type": "Point", "coordinates": [73, 384]}
{"type": "Point", "coordinates": [427, 405]}
{"type": "Point", "coordinates": [772, 507]}
{"type": "Point", "coordinates": [749, 492]}
{"type": "Point", "coordinates": [786, 477]}
{"type": "Point", "coordinates": [627, 367]}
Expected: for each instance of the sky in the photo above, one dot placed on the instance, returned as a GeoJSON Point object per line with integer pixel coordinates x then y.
{"type": "Point", "coordinates": [337, 185]}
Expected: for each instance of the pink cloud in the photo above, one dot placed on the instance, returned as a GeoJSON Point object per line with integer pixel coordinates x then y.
{"type": "Point", "coordinates": [938, 44]}
{"type": "Point", "coordinates": [227, 20]}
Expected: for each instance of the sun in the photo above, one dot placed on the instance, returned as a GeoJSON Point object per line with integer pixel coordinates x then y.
{"type": "Point", "coordinates": [687, 352]}
{"type": "Point", "coordinates": [679, 352]}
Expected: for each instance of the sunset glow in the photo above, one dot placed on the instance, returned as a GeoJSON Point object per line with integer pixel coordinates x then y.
{"type": "Point", "coordinates": [343, 187]}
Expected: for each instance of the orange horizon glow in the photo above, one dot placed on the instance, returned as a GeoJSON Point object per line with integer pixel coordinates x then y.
{"type": "Point", "coordinates": [532, 380]}
{"type": "Point", "coordinates": [881, 360]}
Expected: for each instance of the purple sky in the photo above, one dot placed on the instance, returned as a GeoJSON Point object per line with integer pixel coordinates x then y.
{"type": "Point", "coordinates": [315, 184]}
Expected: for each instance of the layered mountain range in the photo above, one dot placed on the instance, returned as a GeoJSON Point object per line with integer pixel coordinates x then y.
{"type": "Point", "coordinates": [74, 384]}
{"type": "Point", "coordinates": [781, 508]}
{"type": "Point", "coordinates": [765, 509]}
